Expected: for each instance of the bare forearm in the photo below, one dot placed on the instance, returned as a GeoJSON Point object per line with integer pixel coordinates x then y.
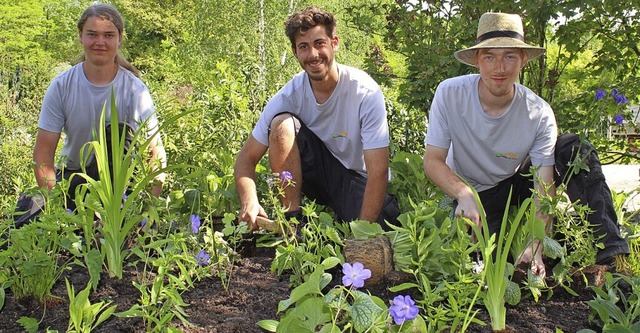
{"type": "Point", "coordinates": [544, 190]}
{"type": "Point", "coordinates": [373, 199]}
{"type": "Point", "coordinates": [45, 175]}
{"type": "Point", "coordinates": [443, 177]}
{"type": "Point", "coordinates": [158, 161]}
{"type": "Point", "coordinates": [43, 154]}
{"type": "Point", "coordinates": [245, 175]}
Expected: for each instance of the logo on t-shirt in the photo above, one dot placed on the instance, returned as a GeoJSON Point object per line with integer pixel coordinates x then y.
{"type": "Point", "coordinates": [342, 134]}
{"type": "Point", "coordinates": [509, 156]}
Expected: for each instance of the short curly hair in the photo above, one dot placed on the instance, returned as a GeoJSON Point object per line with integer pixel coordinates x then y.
{"type": "Point", "coordinates": [306, 19]}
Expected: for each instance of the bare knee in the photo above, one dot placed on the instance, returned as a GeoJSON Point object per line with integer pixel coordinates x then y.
{"type": "Point", "coordinates": [283, 127]}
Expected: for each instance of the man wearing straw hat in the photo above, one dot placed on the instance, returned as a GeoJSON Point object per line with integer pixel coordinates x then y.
{"type": "Point", "coordinates": [493, 133]}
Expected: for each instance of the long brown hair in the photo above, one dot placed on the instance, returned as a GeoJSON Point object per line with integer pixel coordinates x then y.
{"type": "Point", "coordinates": [107, 12]}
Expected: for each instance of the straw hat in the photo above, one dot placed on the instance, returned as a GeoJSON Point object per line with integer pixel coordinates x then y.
{"type": "Point", "coordinates": [499, 30]}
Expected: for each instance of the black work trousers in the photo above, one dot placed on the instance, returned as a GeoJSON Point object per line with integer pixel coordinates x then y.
{"type": "Point", "coordinates": [587, 187]}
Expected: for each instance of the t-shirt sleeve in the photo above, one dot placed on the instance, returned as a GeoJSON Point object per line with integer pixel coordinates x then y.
{"type": "Point", "coordinates": [375, 129]}
{"type": "Point", "coordinates": [438, 134]}
{"type": "Point", "coordinates": [146, 109]}
{"type": "Point", "coordinates": [51, 115]}
{"type": "Point", "coordinates": [543, 149]}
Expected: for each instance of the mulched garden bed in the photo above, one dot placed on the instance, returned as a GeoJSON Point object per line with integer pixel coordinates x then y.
{"type": "Point", "coordinates": [253, 295]}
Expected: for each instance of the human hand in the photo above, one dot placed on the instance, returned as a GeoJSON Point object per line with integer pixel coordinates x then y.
{"type": "Point", "coordinates": [468, 208]}
{"type": "Point", "coordinates": [250, 212]}
{"type": "Point", "coordinates": [533, 255]}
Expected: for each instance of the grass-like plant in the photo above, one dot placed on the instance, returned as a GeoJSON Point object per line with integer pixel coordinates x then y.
{"type": "Point", "coordinates": [112, 196]}
{"type": "Point", "coordinates": [495, 255]}
{"type": "Point", "coordinates": [174, 269]}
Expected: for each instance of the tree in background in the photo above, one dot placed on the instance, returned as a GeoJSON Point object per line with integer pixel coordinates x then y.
{"type": "Point", "coordinates": [222, 59]}
{"type": "Point", "coordinates": [590, 45]}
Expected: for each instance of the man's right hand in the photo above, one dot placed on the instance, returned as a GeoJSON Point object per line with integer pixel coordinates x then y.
{"type": "Point", "coordinates": [468, 208]}
{"type": "Point", "coordinates": [250, 212]}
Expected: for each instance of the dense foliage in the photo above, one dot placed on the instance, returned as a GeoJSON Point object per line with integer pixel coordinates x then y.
{"type": "Point", "coordinates": [211, 66]}
{"type": "Point", "coordinates": [221, 60]}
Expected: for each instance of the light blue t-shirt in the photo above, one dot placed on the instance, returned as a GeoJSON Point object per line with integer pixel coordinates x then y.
{"type": "Point", "coordinates": [352, 120]}
{"type": "Point", "coordinates": [485, 150]}
{"type": "Point", "coordinates": [72, 105]}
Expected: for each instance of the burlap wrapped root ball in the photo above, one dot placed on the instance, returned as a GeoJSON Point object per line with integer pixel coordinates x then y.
{"type": "Point", "coordinates": [374, 253]}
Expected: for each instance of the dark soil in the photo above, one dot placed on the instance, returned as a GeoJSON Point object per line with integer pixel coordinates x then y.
{"type": "Point", "coordinates": [253, 295]}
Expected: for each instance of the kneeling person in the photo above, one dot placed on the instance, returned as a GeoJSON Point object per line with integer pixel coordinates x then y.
{"type": "Point", "coordinates": [327, 127]}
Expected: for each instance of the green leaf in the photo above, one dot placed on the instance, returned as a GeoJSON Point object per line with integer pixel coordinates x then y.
{"type": "Point", "coordinates": [330, 262]}
{"type": "Point", "coordinates": [29, 324]}
{"type": "Point", "coordinates": [363, 311]}
{"type": "Point", "coordinates": [106, 314]}
{"type": "Point", "coordinates": [512, 294]}
{"type": "Point", "coordinates": [268, 325]}
{"type": "Point", "coordinates": [305, 317]}
{"type": "Point", "coordinates": [309, 287]}
{"type": "Point", "coordinates": [552, 249]}
{"type": "Point", "coordinates": [617, 328]}
{"type": "Point", "coordinates": [403, 286]}
{"type": "Point", "coordinates": [416, 324]}
{"type": "Point", "coordinates": [365, 229]}
{"type": "Point", "coordinates": [93, 260]}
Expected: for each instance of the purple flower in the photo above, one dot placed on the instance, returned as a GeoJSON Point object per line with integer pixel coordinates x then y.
{"type": "Point", "coordinates": [143, 223]}
{"type": "Point", "coordinates": [195, 223]}
{"type": "Point", "coordinates": [202, 258]}
{"type": "Point", "coordinates": [621, 99]}
{"type": "Point", "coordinates": [600, 94]}
{"type": "Point", "coordinates": [354, 275]}
{"type": "Point", "coordinates": [286, 177]}
{"type": "Point", "coordinates": [614, 93]}
{"type": "Point", "coordinates": [124, 197]}
{"type": "Point", "coordinates": [618, 119]}
{"type": "Point", "coordinates": [271, 181]}
{"type": "Point", "coordinates": [68, 211]}
{"type": "Point", "coordinates": [403, 308]}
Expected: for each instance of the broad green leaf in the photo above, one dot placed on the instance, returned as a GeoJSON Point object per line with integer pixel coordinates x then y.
{"type": "Point", "coordinates": [330, 262]}
{"type": "Point", "coordinates": [363, 311]}
{"type": "Point", "coordinates": [365, 229]}
{"type": "Point", "coordinates": [305, 317]}
{"type": "Point", "coordinates": [309, 287]}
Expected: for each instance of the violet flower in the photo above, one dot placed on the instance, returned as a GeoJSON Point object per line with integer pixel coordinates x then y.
{"type": "Point", "coordinates": [202, 258]}
{"type": "Point", "coordinates": [621, 99]}
{"type": "Point", "coordinates": [618, 119]}
{"type": "Point", "coordinates": [354, 275]}
{"type": "Point", "coordinates": [403, 308]}
{"type": "Point", "coordinates": [286, 177]}
{"type": "Point", "coordinates": [195, 223]}
{"type": "Point", "coordinates": [270, 181]}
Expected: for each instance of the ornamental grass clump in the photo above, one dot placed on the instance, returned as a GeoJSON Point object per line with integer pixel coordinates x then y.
{"type": "Point", "coordinates": [495, 256]}
{"type": "Point", "coordinates": [112, 196]}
